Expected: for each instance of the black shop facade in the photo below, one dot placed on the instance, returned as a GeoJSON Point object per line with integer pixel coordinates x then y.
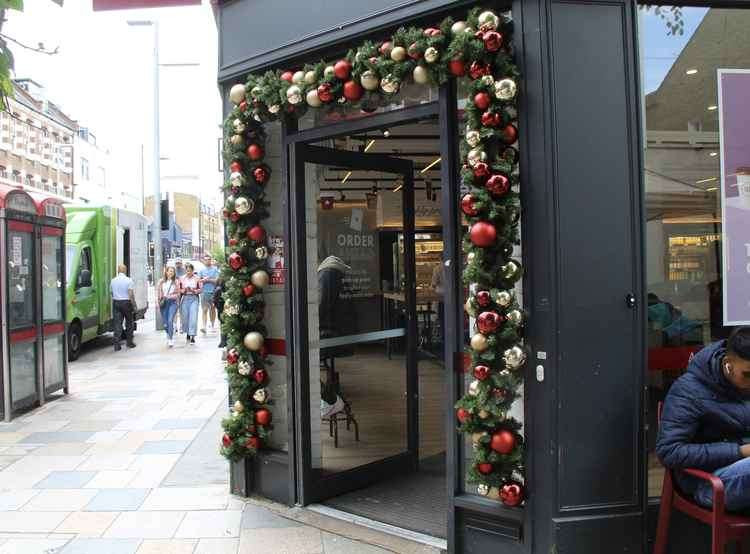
{"type": "Point", "coordinates": [470, 247]}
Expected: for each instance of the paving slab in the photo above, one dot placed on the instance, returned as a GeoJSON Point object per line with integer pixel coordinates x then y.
{"type": "Point", "coordinates": [65, 480]}
{"type": "Point", "coordinates": [101, 546]}
{"type": "Point", "coordinates": [117, 500]}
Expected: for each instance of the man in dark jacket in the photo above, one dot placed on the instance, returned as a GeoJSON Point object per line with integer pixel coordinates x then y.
{"type": "Point", "coordinates": [706, 421]}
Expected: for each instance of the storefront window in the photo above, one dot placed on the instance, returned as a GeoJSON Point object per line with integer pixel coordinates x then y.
{"type": "Point", "coordinates": [52, 292]}
{"type": "Point", "coordinates": [20, 279]}
{"type": "Point", "coordinates": [686, 233]}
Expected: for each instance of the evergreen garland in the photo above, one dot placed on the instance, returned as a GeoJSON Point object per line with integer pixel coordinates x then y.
{"type": "Point", "coordinates": [368, 78]}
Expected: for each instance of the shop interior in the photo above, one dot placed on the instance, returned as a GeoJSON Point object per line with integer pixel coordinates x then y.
{"type": "Point", "coordinates": [358, 316]}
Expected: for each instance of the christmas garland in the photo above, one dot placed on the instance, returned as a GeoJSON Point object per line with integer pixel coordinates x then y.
{"type": "Point", "coordinates": [369, 77]}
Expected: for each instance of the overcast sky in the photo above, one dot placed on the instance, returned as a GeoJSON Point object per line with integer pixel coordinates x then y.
{"type": "Point", "coordinates": [102, 77]}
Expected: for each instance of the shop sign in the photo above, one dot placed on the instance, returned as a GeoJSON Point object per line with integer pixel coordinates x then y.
{"type": "Point", "coordinates": [276, 260]}
{"type": "Point", "coordinates": [734, 136]}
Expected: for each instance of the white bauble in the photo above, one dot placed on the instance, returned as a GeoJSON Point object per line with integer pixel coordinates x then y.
{"type": "Point", "coordinates": [298, 78]}
{"type": "Point", "coordinates": [294, 94]}
{"type": "Point", "coordinates": [505, 89]}
{"type": "Point", "coordinates": [329, 71]}
{"type": "Point", "coordinates": [458, 27]}
{"type": "Point", "coordinates": [488, 21]}
{"type": "Point", "coordinates": [421, 75]}
{"type": "Point", "coordinates": [310, 78]}
{"type": "Point", "coordinates": [431, 55]}
{"type": "Point", "coordinates": [243, 205]}
{"type": "Point", "coordinates": [473, 138]}
{"type": "Point", "coordinates": [313, 99]}
{"type": "Point", "coordinates": [244, 368]}
{"type": "Point", "coordinates": [253, 341]}
{"type": "Point", "coordinates": [259, 278]}
{"type": "Point", "coordinates": [369, 80]}
{"type": "Point", "coordinates": [237, 93]}
{"type": "Point", "coordinates": [398, 54]}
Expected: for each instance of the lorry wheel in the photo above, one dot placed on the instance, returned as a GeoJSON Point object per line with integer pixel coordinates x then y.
{"type": "Point", "coordinates": [74, 341]}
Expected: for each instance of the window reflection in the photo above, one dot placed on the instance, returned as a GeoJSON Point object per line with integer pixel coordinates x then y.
{"type": "Point", "coordinates": [683, 180]}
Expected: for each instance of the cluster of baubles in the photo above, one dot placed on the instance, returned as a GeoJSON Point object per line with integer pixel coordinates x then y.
{"type": "Point", "coordinates": [480, 49]}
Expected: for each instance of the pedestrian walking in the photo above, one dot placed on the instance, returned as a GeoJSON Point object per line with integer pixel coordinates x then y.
{"type": "Point", "coordinates": [218, 301]}
{"type": "Point", "coordinates": [179, 269]}
{"type": "Point", "coordinates": [123, 300]}
{"type": "Point", "coordinates": [190, 290]}
{"type": "Point", "coordinates": [209, 275]}
{"type": "Point", "coordinates": [168, 291]}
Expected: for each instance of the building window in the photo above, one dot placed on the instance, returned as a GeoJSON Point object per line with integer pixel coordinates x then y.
{"type": "Point", "coordinates": [84, 168]}
{"type": "Point", "coordinates": [685, 223]}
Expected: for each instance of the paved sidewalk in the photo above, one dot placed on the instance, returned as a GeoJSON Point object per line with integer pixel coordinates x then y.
{"type": "Point", "coordinates": [128, 463]}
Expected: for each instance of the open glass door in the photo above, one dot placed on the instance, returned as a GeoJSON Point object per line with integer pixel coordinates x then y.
{"type": "Point", "coordinates": [356, 398]}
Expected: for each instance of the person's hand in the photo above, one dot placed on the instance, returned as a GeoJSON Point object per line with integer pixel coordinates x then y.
{"type": "Point", "coordinates": [745, 450]}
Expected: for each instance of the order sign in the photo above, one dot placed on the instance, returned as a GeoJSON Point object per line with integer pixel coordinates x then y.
{"type": "Point", "coordinates": [734, 126]}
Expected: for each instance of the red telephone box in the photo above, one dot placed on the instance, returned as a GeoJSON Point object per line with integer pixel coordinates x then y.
{"type": "Point", "coordinates": [29, 296]}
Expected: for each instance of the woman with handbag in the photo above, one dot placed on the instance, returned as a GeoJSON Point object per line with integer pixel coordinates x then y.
{"type": "Point", "coordinates": [168, 291]}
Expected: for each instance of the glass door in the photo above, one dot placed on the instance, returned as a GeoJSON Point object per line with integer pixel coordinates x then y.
{"type": "Point", "coordinates": [357, 403]}
{"type": "Point", "coordinates": [53, 319]}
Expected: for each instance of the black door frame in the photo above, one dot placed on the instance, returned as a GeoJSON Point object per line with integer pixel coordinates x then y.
{"type": "Point", "coordinates": [311, 488]}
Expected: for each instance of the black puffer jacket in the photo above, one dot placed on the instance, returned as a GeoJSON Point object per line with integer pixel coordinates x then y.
{"type": "Point", "coordinates": [705, 417]}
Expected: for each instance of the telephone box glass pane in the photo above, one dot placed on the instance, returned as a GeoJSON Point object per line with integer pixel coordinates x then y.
{"type": "Point", "coordinates": [52, 291]}
{"type": "Point", "coordinates": [20, 280]}
{"type": "Point", "coordinates": [53, 361]}
{"type": "Point", "coordinates": [22, 370]}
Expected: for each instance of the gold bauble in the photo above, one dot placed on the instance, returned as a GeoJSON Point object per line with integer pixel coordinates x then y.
{"type": "Point", "coordinates": [261, 252]}
{"type": "Point", "coordinates": [369, 80]}
{"type": "Point", "coordinates": [479, 342]}
{"type": "Point", "coordinates": [253, 341]}
{"type": "Point", "coordinates": [504, 298]}
{"type": "Point", "coordinates": [431, 55]}
{"type": "Point", "coordinates": [515, 317]}
{"type": "Point", "coordinates": [488, 80]}
{"type": "Point", "coordinates": [475, 156]}
{"type": "Point", "coordinates": [398, 54]}
{"type": "Point", "coordinates": [476, 437]}
{"type": "Point", "coordinates": [310, 78]}
{"type": "Point", "coordinates": [514, 357]}
{"type": "Point", "coordinates": [239, 126]}
{"type": "Point", "coordinates": [494, 493]}
{"type": "Point", "coordinates": [237, 93]}
{"type": "Point", "coordinates": [259, 278]}
{"type": "Point", "coordinates": [473, 138]}
{"type": "Point", "coordinates": [421, 75]}
{"type": "Point", "coordinates": [236, 140]}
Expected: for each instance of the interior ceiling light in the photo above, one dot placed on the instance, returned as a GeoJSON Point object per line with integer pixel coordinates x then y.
{"type": "Point", "coordinates": [713, 154]}
{"type": "Point", "coordinates": [706, 180]}
{"type": "Point", "coordinates": [399, 185]}
{"type": "Point", "coordinates": [386, 133]}
{"type": "Point", "coordinates": [713, 107]}
{"type": "Point", "coordinates": [430, 166]}
{"type": "Point", "coordinates": [691, 71]}
{"type": "Point", "coordinates": [369, 144]}
{"type": "Point", "coordinates": [349, 174]}
{"type": "Point", "coordinates": [712, 189]}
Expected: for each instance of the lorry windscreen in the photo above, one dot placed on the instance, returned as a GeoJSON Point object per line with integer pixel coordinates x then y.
{"type": "Point", "coordinates": [70, 252]}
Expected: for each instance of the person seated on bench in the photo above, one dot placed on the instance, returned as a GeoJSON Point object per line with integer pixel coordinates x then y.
{"type": "Point", "coordinates": [705, 422]}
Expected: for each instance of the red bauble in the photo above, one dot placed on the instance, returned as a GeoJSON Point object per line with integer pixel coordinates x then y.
{"type": "Point", "coordinates": [226, 441]}
{"type": "Point", "coordinates": [484, 468]}
{"type": "Point", "coordinates": [478, 69]}
{"type": "Point", "coordinates": [493, 41]}
{"type": "Point", "coordinates": [233, 242]}
{"type": "Point", "coordinates": [256, 233]}
{"type": "Point", "coordinates": [482, 100]}
{"type": "Point", "coordinates": [260, 375]}
{"type": "Point", "coordinates": [385, 48]}
{"type": "Point", "coordinates": [341, 69]}
{"type": "Point", "coordinates": [287, 76]}
{"type": "Point", "coordinates": [498, 185]}
{"type": "Point", "coordinates": [483, 298]}
{"type": "Point", "coordinates": [481, 172]}
{"type": "Point", "coordinates": [255, 152]}
{"type": "Point", "coordinates": [353, 91]}
{"type": "Point", "coordinates": [468, 206]}
{"type": "Point", "coordinates": [233, 356]}
{"type": "Point", "coordinates": [263, 417]}
{"type": "Point", "coordinates": [243, 106]}
{"type": "Point", "coordinates": [492, 119]}
{"type": "Point", "coordinates": [503, 442]}
{"type": "Point", "coordinates": [512, 493]}
{"type": "Point", "coordinates": [236, 261]}
{"type": "Point", "coordinates": [248, 290]}
{"type": "Point", "coordinates": [252, 442]}
{"type": "Point", "coordinates": [432, 32]}
{"type": "Point", "coordinates": [324, 92]}
{"type": "Point", "coordinates": [235, 167]}
{"type": "Point", "coordinates": [234, 217]}
{"type": "Point", "coordinates": [483, 234]}
{"type": "Point", "coordinates": [510, 134]}
{"type": "Point", "coordinates": [463, 415]}
{"type": "Point", "coordinates": [413, 51]}
{"type": "Point", "coordinates": [260, 174]}
{"type": "Point", "coordinates": [481, 372]}
{"type": "Point", "coordinates": [457, 68]}
{"type": "Point", "coordinates": [489, 322]}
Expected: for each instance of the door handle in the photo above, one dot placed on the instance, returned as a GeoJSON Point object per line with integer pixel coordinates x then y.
{"type": "Point", "coordinates": [630, 300]}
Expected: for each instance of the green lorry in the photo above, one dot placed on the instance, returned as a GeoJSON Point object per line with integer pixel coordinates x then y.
{"type": "Point", "coordinates": [97, 239]}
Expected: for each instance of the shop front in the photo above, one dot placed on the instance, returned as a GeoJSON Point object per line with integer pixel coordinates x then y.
{"type": "Point", "coordinates": [458, 291]}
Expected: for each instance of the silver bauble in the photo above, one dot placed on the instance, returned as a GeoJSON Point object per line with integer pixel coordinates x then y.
{"type": "Point", "coordinates": [237, 93]}
{"type": "Point", "coordinates": [505, 89]}
{"type": "Point", "coordinates": [238, 407]}
{"type": "Point", "coordinates": [389, 84]}
{"type": "Point", "coordinates": [473, 138]}
{"type": "Point", "coordinates": [369, 80]}
{"type": "Point", "coordinates": [515, 317]}
{"type": "Point", "coordinates": [504, 298]}
{"type": "Point", "coordinates": [253, 341]}
{"type": "Point", "coordinates": [259, 278]}
{"type": "Point", "coordinates": [313, 99]}
{"type": "Point", "coordinates": [458, 27]}
{"type": "Point", "coordinates": [260, 395]}
{"type": "Point", "coordinates": [482, 489]}
{"type": "Point", "coordinates": [274, 108]}
{"type": "Point", "coordinates": [239, 126]}
{"type": "Point", "coordinates": [431, 55]}
{"type": "Point", "coordinates": [261, 252]}
{"type": "Point", "coordinates": [294, 94]}
{"type": "Point", "coordinates": [298, 78]}
{"type": "Point", "coordinates": [243, 205]}
{"type": "Point", "coordinates": [475, 156]}
{"type": "Point", "coordinates": [421, 75]}
{"type": "Point", "coordinates": [488, 21]}
{"type": "Point", "coordinates": [244, 368]}
{"type": "Point", "coordinates": [310, 78]}
{"type": "Point", "coordinates": [474, 388]}
{"type": "Point", "coordinates": [514, 357]}
{"type": "Point", "coordinates": [398, 53]}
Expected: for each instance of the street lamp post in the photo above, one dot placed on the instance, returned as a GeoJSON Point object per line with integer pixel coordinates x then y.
{"type": "Point", "coordinates": [156, 168]}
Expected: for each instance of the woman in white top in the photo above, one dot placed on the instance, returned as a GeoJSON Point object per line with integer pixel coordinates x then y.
{"type": "Point", "coordinates": [168, 292]}
{"type": "Point", "coordinates": [190, 290]}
